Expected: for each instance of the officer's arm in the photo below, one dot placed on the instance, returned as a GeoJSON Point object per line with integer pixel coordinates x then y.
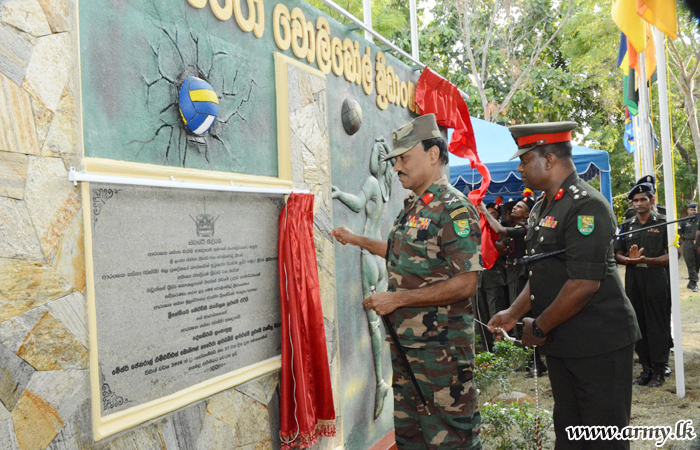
{"type": "Point", "coordinates": [493, 223]}
{"type": "Point", "coordinates": [453, 290]}
{"type": "Point", "coordinates": [657, 261]}
{"type": "Point", "coordinates": [345, 236]}
{"type": "Point", "coordinates": [507, 318]}
{"type": "Point", "coordinates": [572, 298]}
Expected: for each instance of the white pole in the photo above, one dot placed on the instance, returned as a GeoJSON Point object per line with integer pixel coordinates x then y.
{"type": "Point", "coordinates": [414, 30]}
{"type": "Point", "coordinates": [647, 151]}
{"type": "Point", "coordinates": [660, 41]}
{"type": "Point", "coordinates": [367, 11]}
{"type": "Point", "coordinates": [637, 147]}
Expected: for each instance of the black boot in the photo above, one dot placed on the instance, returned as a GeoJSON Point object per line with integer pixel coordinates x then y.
{"type": "Point", "coordinates": [645, 377]}
{"type": "Point", "coordinates": [658, 379]}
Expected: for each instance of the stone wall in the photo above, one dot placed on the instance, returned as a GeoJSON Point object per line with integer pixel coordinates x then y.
{"type": "Point", "coordinates": [44, 382]}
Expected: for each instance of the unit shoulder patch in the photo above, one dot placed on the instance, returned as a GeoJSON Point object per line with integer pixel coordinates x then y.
{"type": "Point", "coordinates": [586, 224]}
{"type": "Point", "coordinates": [462, 227]}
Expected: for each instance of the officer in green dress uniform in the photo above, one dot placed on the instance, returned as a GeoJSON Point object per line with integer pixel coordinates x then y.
{"type": "Point", "coordinates": [583, 321]}
{"type": "Point", "coordinates": [688, 231]}
{"type": "Point", "coordinates": [647, 283]}
{"type": "Point", "coordinates": [433, 259]}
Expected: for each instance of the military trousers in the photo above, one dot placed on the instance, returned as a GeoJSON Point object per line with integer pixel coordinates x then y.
{"type": "Point", "coordinates": [445, 376]}
{"type": "Point", "coordinates": [649, 292]}
{"type": "Point", "coordinates": [593, 391]}
{"type": "Point", "coordinates": [692, 260]}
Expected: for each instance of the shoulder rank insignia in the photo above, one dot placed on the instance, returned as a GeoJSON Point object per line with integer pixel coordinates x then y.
{"type": "Point", "coordinates": [459, 211]}
{"type": "Point", "coordinates": [548, 222]}
{"type": "Point", "coordinates": [586, 224]}
{"type": "Point", "coordinates": [560, 194]}
{"type": "Point", "coordinates": [427, 198]}
{"type": "Point", "coordinates": [421, 223]}
{"type": "Point", "coordinates": [462, 227]}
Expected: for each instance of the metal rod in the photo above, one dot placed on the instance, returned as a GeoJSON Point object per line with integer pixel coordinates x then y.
{"type": "Point", "coordinates": [172, 183]}
{"type": "Point", "coordinates": [414, 30]}
{"type": "Point", "coordinates": [658, 225]}
{"type": "Point", "coordinates": [402, 354]}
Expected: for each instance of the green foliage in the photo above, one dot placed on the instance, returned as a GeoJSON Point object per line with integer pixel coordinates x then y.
{"type": "Point", "coordinates": [513, 426]}
{"type": "Point", "coordinates": [492, 371]}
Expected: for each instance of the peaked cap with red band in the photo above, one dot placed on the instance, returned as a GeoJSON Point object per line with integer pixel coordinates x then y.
{"type": "Point", "coordinates": [532, 135]}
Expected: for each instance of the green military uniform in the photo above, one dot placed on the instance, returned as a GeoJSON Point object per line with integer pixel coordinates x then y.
{"type": "Point", "coordinates": [648, 289]}
{"type": "Point", "coordinates": [589, 356]}
{"type": "Point", "coordinates": [435, 237]}
{"type": "Point", "coordinates": [688, 230]}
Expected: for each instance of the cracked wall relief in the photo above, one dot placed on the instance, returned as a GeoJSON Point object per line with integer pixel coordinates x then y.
{"type": "Point", "coordinates": [134, 68]}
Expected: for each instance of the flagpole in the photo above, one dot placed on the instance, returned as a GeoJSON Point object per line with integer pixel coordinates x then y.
{"type": "Point", "coordinates": [637, 146]}
{"type": "Point", "coordinates": [647, 151]}
{"type": "Point", "coordinates": [670, 209]}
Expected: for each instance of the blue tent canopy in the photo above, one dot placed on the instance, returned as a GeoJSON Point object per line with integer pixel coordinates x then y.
{"type": "Point", "coordinates": [495, 145]}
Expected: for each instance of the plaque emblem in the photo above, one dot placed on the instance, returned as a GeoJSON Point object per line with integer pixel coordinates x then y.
{"type": "Point", "coordinates": [586, 224]}
{"type": "Point", "coordinates": [205, 222]}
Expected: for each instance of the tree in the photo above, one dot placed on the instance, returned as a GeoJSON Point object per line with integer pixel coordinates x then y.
{"type": "Point", "coordinates": [503, 42]}
{"type": "Point", "coordinates": [684, 60]}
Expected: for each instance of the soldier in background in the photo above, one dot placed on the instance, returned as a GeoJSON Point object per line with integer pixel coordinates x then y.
{"type": "Point", "coordinates": [492, 288]}
{"type": "Point", "coordinates": [433, 259]}
{"type": "Point", "coordinates": [688, 231]}
{"type": "Point", "coordinates": [647, 283]}
{"type": "Point", "coordinates": [516, 272]}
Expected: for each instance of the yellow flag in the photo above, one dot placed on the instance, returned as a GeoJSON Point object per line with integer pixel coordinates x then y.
{"type": "Point", "coordinates": [650, 53]}
{"type": "Point", "coordinates": [661, 14]}
{"type": "Point", "coordinates": [624, 14]}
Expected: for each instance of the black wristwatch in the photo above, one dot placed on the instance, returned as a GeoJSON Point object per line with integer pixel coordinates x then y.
{"type": "Point", "coordinates": [536, 331]}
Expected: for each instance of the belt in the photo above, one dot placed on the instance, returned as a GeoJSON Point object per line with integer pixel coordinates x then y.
{"type": "Point", "coordinates": [515, 262]}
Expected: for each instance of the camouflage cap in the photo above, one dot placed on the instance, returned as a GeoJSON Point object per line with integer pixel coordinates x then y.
{"type": "Point", "coordinates": [531, 135]}
{"type": "Point", "coordinates": [419, 129]}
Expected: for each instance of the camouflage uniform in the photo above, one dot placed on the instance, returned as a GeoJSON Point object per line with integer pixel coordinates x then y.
{"type": "Point", "coordinates": [435, 238]}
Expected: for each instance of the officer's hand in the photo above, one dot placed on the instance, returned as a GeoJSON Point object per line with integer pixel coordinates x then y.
{"type": "Point", "coordinates": [335, 192]}
{"type": "Point", "coordinates": [528, 339]}
{"type": "Point", "coordinates": [343, 235]}
{"type": "Point", "coordinates": [502, 321]}
{"type": "Point", "coordinates": [482, 208]}
{"type": "Point", "coordinates": [635, 255]}
{"type": "Point", "coordinates": [382, 303]}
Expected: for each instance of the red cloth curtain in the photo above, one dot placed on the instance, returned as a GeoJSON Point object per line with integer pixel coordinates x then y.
{"type": "Point", "coordinates": [436, 95]}
{"type": "Point", "coordinates": [306, 403]}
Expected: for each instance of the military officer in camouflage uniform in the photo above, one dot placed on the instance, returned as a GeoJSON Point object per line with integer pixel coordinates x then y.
{"type": "Point", "coordinates": [433, 258]}
{"type": "Point", "coordinates": [582, 320]}
{"type": "Point", "coordinates": [688, 231]}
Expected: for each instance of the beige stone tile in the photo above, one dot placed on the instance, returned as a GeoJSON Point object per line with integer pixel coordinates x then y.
{"type": "Point", "coordinates": [15, 54]}
{"type": "Point", "coordinates": [13, 174]}
{"type": "Point", "coordinates": [63, 390]}
{"type": "Point", "coordinates": [215, 434]}
{"type": "Point", "coordinates": [50, 346]}
{"type": "Point", "coordinates": [57, 14]}
{"type": "Point", "coordinates": [25, 15]}
{"type": "Point", "coordinates": [49, 69]}
{"type": "Point", "coordinates": [260, 389]}
{"type": "Point", "coordinates": [17, 236]}
{"type": "Point", "coordinates": [248, 418]}
{"type": "Point", "coordinates": [51, 199]}
{"type": "Point", "coordinates": [142, 438]}
{"type": "Point", "coordinates": [62, 137]}
{"type": "Point", "coordinates": [68, 257]}
{"type": "Point", "coordinates": [14, 331]}
{"type": "Point", "coordinates": [18, 133]}
{"type": "Point", "coordinates": [27, 285]}
{"type": "Point", "coordinates": [42, 121]}
{"type": "Point", "coordinates": [71, 311]}
{"type": "Point", "coordinates": [15, 375]}
{"type": "Point", "coordinates": [35, 422]}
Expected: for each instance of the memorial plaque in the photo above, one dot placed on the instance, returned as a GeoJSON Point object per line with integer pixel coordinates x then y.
{"type": "Point", "coordinates": [185, 286]}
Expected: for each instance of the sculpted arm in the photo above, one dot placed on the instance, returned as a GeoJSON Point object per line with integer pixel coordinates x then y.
{"type": "Point", "coordinates": [374, 246]}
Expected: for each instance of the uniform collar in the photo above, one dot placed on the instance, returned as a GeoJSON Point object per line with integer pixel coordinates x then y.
{"type": "Point", "coordinates": [433, 190]}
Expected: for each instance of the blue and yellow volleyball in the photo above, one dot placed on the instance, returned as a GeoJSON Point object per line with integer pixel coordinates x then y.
{"type": "Point", "coordinates": [199, 105]}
